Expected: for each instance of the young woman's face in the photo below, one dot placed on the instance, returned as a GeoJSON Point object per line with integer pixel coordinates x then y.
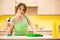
{"type": "Point", "coordinates": [21, 10]}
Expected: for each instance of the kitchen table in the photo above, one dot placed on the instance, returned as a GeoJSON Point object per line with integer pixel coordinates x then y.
{"type": "Point", "coordinates": [45, 37]}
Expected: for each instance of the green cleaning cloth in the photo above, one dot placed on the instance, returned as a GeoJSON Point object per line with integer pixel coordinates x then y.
{"type": "Point", "coordinates": [34, 35]}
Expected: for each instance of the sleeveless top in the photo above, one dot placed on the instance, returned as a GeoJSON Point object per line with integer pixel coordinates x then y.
{"type": "Point", "coordinates": [20, 28]}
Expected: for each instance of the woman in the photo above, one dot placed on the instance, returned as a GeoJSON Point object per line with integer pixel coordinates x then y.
{"type": "Point", "coordinates": [20, 21]}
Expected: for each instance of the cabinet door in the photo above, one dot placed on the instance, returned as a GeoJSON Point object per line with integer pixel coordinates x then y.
{"type": "Point", "coordinates": [7, 7]}
{"type": "Point", "coordinates": [48, 7]}
{"type": "Point", "coordinates": [29, 3]}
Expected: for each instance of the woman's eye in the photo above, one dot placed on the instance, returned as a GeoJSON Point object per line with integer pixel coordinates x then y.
{"type": "Point", "coordinates": [20, 8]}
{"type": "Point", "coordinates": [23, 9]}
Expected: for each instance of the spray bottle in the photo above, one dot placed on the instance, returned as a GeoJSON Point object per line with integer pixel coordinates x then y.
{"type": "Point", "coordinates": [8, 29]}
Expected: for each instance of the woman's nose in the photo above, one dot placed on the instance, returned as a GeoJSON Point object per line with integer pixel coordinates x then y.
{"type": "Point", "coordinates": [21, 11]}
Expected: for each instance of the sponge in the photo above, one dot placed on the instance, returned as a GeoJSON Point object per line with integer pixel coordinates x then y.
{"type": "Point", "coordinates": [34, 35]}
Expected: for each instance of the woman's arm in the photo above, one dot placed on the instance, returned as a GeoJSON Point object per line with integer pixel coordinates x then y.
{"type": "Point", "coordinates": [10, 29]}
{"type": "Point", "coordinates": [31, 24]}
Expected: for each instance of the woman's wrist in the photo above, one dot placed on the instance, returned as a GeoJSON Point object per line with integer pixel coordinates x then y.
{"type": "Point", "coordinates": [9, 34]}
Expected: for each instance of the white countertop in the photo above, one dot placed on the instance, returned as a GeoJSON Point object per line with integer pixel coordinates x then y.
{"type": "Point", "coordinates": [25, 37]}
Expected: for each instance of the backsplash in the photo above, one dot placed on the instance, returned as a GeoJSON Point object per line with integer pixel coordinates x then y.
{"type": "Point", "coordinates": [40, 21]}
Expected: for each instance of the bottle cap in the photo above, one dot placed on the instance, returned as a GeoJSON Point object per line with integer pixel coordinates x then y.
{"type": "Point", "coordinates": [8, 19]}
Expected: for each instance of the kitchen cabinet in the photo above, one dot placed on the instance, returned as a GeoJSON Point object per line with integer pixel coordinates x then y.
{"type": "Point", "coordinates": [31, 6]}
{"type": "Point", "coordinates": [29, 3]}
{"type": "Point", "coordinates": [48, 7]}
{"type": "Point", "coordinates": [31, 11]}
{"type": "Point", "coordinates": [7, 7]}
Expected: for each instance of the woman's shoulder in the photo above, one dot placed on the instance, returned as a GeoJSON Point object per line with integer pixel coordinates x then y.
{"type": "Point", "coordinates": [26, 16]}
{"type": "Point", "coordinates": [12, 19]}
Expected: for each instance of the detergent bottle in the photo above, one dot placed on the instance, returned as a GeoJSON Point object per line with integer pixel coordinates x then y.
{"type": "Point", "coordinates": [55, 32]}
{"type": "Point", "coordinates": [59, 30]}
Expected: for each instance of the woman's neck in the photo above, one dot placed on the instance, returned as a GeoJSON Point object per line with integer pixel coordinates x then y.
{"type": "Point", "coordinates": [18, 16]}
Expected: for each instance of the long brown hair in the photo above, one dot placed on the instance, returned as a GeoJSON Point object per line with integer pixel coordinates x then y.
{"type": "Point", "coordinates": [20, 4]}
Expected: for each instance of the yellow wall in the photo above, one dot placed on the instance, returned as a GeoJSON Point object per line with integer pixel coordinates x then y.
{"type": "Point", "coordinates": [41, 21]}
{"type": "Point", "coordinates": [3, 19]}
{"type": "Point", "coordinates": [45, 21]}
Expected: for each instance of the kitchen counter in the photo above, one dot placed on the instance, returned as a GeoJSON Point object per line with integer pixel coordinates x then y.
{"type": "Point", "coordinates": [47, 30]}
{"type": "Point", "coordinates": [44, 31]}
{"type": "Point", "coordinates": [46, 37]}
